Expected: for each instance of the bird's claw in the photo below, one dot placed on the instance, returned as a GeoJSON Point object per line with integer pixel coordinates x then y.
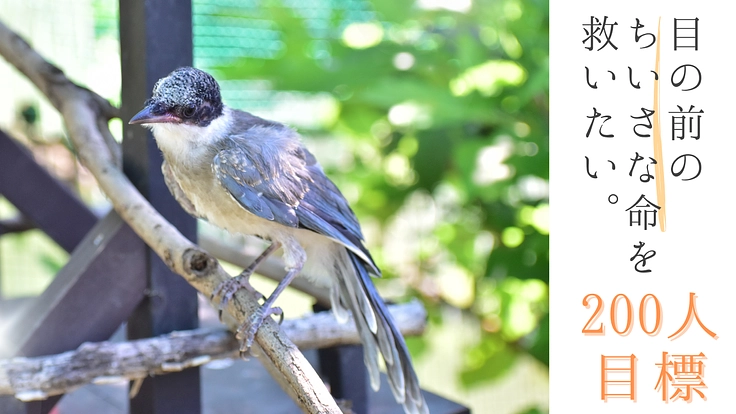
{"type": "Point", "coordinates": [247, 331]}
{"type": "Point", "coordinates": [227, 289]}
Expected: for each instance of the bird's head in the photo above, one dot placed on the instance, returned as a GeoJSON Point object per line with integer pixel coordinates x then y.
{"type": "Point", "coordinates": [186, 96]}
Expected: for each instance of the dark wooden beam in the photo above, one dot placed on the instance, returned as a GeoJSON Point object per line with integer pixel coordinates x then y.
{"type": "Point", "coordinates": [343, 368]}
{"type": "Point", "coordinates": [156, 38]}
{"type": "Point", "coordinates": [40, 197]}
{"type": "Point", "coordinates": [48, 204]}
{"type": "Point", "coordinates": [87, 301]}
{"type": "Point", "coordinates": [90, 297]}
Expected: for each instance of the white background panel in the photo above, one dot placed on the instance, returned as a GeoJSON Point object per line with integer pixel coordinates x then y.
{"type": "Point", "coordinates": [591, 240]}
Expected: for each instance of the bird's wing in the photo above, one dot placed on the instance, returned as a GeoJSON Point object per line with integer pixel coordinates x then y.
{"type": "Point", "coordinates": [325, 210]}
{"type": "Point", "coordinates": [269, 196]}
{"type": "Point", "coordinates": [290, 189]}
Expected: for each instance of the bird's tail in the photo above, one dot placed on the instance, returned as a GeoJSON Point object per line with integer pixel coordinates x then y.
{"type": "Point", "coordinates": [354, 291]}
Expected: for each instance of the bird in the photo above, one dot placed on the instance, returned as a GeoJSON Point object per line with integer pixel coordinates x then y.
{"type": "Point", "coordinates": [253, 176]}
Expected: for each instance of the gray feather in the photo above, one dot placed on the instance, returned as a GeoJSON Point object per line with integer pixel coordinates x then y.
{"type": "Point", "coordinates": [266, 167]}
{"type": "Point", "coordinates": [255, 191]}
{"type": "Point", "coordinates": [356, 288]}
{"type": "Point", "coordinates": [355, 294]}
{"type": "Point", "coordinates": [370, 346]}
{"type": "Point", "coordinates": [339, 309]}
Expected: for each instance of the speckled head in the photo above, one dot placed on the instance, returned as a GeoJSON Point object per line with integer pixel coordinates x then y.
{"type": "Point", "coordinates": [186, 96]}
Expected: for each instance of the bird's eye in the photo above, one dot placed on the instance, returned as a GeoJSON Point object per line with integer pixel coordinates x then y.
{"type": "Point", "coordinates": [188, 112]}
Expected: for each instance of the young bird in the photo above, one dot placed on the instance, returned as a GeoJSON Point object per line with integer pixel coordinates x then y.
{"type": "Point", "coordinates": [254, 177]}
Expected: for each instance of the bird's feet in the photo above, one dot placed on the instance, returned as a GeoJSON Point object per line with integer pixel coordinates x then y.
{"type": "Point", "coordinates": [226, 290]}
{"type": "Point", "coordinates": [247, 331]}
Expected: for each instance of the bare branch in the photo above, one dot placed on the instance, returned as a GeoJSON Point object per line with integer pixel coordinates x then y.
{"type": "Point", "coordinates": [84, 114]}
{"type": "Point", "coordinates": [38, 378]}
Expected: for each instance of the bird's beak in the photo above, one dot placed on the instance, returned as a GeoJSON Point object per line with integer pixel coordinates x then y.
{"type": "Point", "coordinates": [145, 116]}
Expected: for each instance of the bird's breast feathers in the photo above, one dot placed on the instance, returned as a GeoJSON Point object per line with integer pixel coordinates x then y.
{"type": "Point", "coordinates": [191, 152]}
{"type": "Point", "coordinates": [254, 177]}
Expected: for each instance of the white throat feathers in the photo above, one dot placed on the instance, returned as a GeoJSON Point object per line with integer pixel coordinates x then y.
{"type": "Point", "coordinates": [180, 140]}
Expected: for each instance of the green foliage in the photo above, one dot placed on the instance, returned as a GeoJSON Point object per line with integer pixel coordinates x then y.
{"type": "Point", "coordinates": [445, 117]}
{"type": "Point", "coordinates": [533, 411]}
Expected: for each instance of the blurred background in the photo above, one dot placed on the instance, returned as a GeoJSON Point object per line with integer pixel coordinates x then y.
{"type": "Point", "coordinates": [431, 116]}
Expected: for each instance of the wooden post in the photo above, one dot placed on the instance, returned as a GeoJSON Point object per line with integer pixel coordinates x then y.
{"type": "Point", "coordinates": [87, 300]}
{"type": "Point", "coordinates": [156, 38]}
{"type": "Point", "coordinates": [40, 197]}
{"type": "Point", "coordinates": [343, 368]}
{"type": "Point", "coordinates": [102, 265]}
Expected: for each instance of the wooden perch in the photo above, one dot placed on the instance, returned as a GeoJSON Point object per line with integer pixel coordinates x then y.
{"type": "Point", "coordinates": [32, 379]}
{"type": "Point", "coordinates": [86, 115]}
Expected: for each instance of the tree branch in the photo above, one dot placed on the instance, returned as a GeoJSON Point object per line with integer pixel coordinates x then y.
{"type": "Point", "coordinates": [32, 379]}
{"type": "Point", "coordinates": [85, 116]}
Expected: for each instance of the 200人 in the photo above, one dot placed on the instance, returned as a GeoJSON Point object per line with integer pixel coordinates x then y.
{"type": "Point", "coordinates": [588, 330]}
